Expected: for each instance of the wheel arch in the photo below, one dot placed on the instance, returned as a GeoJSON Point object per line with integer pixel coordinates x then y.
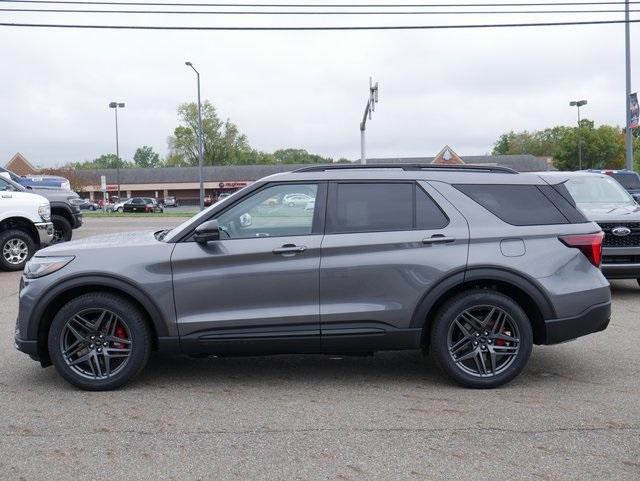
{"type": "Point", "coordinates": [55, 298]}
{"type": "Point", "coordinates": [521, 289]}
{"type": "Point", "coordinates": [22, 223]}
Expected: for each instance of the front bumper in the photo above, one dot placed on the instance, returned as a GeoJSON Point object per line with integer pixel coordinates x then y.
{"type": "Point", "coordinates": [621, 262]}
{"type": "Point", "coordinates": [45, 232]}
{"type": "Point", "coordinates": [594, 319]}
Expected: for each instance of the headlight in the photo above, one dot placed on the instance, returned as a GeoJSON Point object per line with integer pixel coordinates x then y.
{"type": "Point", "coordinates": [44, 211]}
{"type": "Point", "coordinates": [65, 185]}
{"type": "Point", "coordinates": [42, 266]}
{"type": "Point", "coordinates": [75, 200]}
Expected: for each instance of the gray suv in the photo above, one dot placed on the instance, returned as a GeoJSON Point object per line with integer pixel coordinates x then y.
{"type": "Point", "coordinates": [474, 265]}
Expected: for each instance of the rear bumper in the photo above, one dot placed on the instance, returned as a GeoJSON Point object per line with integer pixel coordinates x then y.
{"type": "Point", "coordinates": [45, 232]}
{"type": "Point", "coordinates": [594, 319]}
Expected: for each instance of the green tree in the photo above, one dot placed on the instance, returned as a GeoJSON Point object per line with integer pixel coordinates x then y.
{"type": "Point", "coordinates": [146, 157]}
{"type": "Point", "coordinates": [299, 156]}
{"type": "Point", "coordinates": [105, 161]}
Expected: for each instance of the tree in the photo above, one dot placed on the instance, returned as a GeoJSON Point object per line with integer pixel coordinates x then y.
{"type": "Point", "coordinates": [299, 156]}
{"type": "Point", "coordinates": [105, 161]}
{"type": "Point", "coordinates": [146, 157]}
{"type": "Point", "coordinates": [602, 147]}
{"type": "Point", "coordinates": [223, 142]}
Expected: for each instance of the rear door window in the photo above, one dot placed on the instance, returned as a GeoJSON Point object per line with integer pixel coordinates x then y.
{"type": "Point", "coordinates": [515, 204]}
{"type": "Point", "coordinates": [381, 206]}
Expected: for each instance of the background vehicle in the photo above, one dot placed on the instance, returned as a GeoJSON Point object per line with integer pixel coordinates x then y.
{"type": "Point", "coordinates": [65, 208]}
{"type": "Point", "coordinates": [474, 265]}
{"type": "Point", "coordinates": [295, 200]}
{"type": "Point", "coordinates": [628, 179]}
{"type": "Point", "coordinates": [118, 206]}
{"type": "Point", "coordinates": [603, 200]}
{"type": "Point", "coordinates": [87, 204]}
{"type": "Point", "coordinates": [39, 181]}
{"type": "Point", "coordinates": [25, 225]}
{"type": "Point", "coordinates": [170, 201]}
{"type": "Point", "coordinates": [142, 204]}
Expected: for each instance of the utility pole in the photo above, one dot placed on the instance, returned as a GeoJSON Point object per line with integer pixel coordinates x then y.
{"type": "Point", "coordinates": [627, 35]}
{"type": "Point", "coordinates": [116, 106]}
{"type": "Point", "coordinates": [579, 103]}
{"type": "Point", "coordinates": [200, 137]}
{"type": "Point", "coordinates": [368, 110]}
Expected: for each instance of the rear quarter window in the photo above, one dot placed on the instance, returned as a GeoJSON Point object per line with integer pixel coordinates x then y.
{"type": "Point", "coordinates": [515, 204]}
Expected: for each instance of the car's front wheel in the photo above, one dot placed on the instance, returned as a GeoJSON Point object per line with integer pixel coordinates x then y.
{"type": "Point", "coordinates": [99, 341]}
{"type": "Point", "coordinates": [481, 338]}
{"type": "Point", "coordinates": [62, 230]}
{"type": "Point", "coordinates": [17, 248]}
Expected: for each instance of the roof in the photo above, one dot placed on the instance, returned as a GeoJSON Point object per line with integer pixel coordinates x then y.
{"type": "Point", "coordinates": [158, 175]}
{"type": "Point", "coordinates": [20, 165]}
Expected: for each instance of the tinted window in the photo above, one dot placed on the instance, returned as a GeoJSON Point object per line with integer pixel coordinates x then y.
{"type": "Point", "coordinates": [4, 185]}
{"type": "Point", "coordinates": [629, 180]}
{"type": "Point", "coordinates": [515, 204]}
{"type": "Point", "coordinates": [271, 212]}
{"type": "Point", "coordinates": [428, 214]}
{"type": "Point", "coordinates": [365, 207]}
{"type": "Point", "coordinates": [137, 201]}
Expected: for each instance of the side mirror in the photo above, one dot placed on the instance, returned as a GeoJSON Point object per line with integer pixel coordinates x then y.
{"type": "Point", "coordinates": [207, 232]}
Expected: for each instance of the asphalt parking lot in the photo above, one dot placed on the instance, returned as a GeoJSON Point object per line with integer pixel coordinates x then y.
{"type": "Point", "coordinates": [573, 414]}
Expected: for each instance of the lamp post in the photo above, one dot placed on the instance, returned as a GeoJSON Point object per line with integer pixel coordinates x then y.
{"type": "Point", "coordinates": [578, 103]}
{"type": "Point", "coordinates": [628, 133]}
{"type": "Point", "coordinates": [200, 137]}
{"type": "Point", "coordinates": [116, 106]}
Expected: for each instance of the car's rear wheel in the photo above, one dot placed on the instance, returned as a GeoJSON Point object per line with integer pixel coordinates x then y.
{"type": "Point", "coordinates": [481, 338]}
{"type": "Point", "coordinates": [17, 247]}
{"type": "Point", "coordinates": [99, 341]}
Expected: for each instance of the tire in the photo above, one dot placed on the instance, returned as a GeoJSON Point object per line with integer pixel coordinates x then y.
{"type": "Point", "coordinates": [16, 248]}
{"type": "Point", "coordinates": [130, 327]}
{"type": "Point", "coordinates": [478, 342]}
{"type": "Point", "coordinates": [120, 209]}
{"type": "Point", "coordinates": [62, 230]}
{"type": "Point", "coordinates": [638, 279]}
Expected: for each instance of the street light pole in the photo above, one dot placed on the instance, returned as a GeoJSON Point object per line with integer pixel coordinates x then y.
{"type": "Point", "coordinates": [368, 110]}
{"type": "Point", "coordinates": [200, 137]}
{"type": "Point", "coordinates": [116, 106]}
{"type": "Point", "coordinates": [627, 35]}
{"type": "Point", "coordinates": [579, 103]}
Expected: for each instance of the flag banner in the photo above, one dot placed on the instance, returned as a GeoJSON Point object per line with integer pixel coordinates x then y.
{"type": "Point", "coordinates": [635, 110]}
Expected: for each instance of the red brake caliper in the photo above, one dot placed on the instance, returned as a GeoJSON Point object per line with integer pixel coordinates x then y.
{"type": "Point", "coordinates": [120, 332]}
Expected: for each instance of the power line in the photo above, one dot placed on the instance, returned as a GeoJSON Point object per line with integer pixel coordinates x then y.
{"type": "Point", "coordinates": [317, 28]}
{"type": "Point", "coordinates": [252, 12]}
{"type": "Point", "coordinates": [317, 5]}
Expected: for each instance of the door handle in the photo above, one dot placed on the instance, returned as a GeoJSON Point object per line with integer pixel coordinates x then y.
{"type": "Point", "coordinates": [438, 239]}
{"type": "Point", "coordinates": [289, 249]}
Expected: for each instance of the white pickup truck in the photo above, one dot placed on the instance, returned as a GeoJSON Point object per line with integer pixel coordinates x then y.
{"type": "Point", "coordinates": [25, 225]}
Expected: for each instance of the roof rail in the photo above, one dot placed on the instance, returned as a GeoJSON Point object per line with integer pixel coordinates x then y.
{"type": "Point", "coordinates": [410, 167]}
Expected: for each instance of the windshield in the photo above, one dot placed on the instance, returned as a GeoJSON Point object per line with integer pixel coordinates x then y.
{"type": "Point", "coordinates": [629, 180]}
{"type": "Point", "coordinates": [597, 190]}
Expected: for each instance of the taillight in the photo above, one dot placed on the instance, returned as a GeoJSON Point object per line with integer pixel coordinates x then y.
{"type": "Point", "coordinates": [589, 244]}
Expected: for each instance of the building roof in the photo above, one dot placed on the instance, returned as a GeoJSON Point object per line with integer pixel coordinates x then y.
{"type": "Point", "coordinates": [20, 165]}
{"type": "Point", "coordinates": [159, 175]}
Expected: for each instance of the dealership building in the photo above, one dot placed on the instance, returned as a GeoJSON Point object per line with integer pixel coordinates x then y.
{"type": "Point", "coordinates": [183, 182]}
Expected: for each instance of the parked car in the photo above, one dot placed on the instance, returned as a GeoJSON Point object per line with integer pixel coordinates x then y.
{"type": "Point", "coordinates": [472, 264]}
{"type": "Point", "coordinates": [25, 225]}
{"type": "Point", "coordinates": [88, 204]}
{"type": "Point", "coordinates": [629, 179]}
{"type": "Point", "coordinates": [118, 206]}
{"type": "Point", "coordinates": [603, 200]}
{"type": "Point", "coordinates": [64, 204]}
{"type": "Point", "coordinates": [39, 181]}
{"type": "Point", "coordinates": [142, 204]}
{"type": "Point", "coordinates": [170, 201]}
{"type": "Point", "coordinates": [295, 200]}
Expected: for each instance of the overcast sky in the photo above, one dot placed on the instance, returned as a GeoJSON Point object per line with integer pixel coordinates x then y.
{"type": "Point", "coordinates": [303, 89]}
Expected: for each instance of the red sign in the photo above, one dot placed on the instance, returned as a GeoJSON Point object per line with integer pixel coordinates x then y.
{"type": "Point", "coordinates": [112, 187]}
